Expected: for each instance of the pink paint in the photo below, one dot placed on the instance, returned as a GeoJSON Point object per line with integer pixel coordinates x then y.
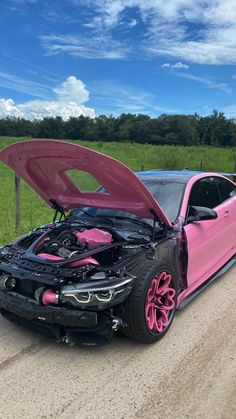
{"type": "Point", "coordinates": [81, 262]}
{"type": "Point", "coordinates": [189, 186]}
{"type": "Point", "coordinates": [160, 301]}
{"type": "Point", "coordinates": [94, 237]}
{"type": "Point", "coordinates": [49, 297]}
{"type": "Point", "coordinates": [49, 257]}
{"type": "Point", "coordinates": [43, 164]}
{"type": "Point", "coordinates": [39, 245]}
{"type": "Point", "coordinates": [74, 263]}
{"type": "Point", "coordinates": [211, 243]}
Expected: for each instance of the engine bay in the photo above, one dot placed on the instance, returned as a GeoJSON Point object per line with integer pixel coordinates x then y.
{"type": "Point", "coordinates": [71, 264]}
{"type": "Point", "coordinates": [71, 243]}
{"type": "Point", "coordinates": [72, 246]}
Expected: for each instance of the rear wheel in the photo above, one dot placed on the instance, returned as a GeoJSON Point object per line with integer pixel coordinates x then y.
{"type": "Point", "coordinates": [150, 308]}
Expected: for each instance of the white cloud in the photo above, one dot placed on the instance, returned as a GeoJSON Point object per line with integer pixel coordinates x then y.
{"type": "Point", "coordinates": [205, 81]}
{"type": "Point", "coordinates": [19, 84]}
{"type": "Point", "coordinates": [39, 109]}
{"type": "Point", "coordinates": [100, 46]}
{"type": "Point", "coordinates": [132, 23]}
{"type": "Point", "coordinates": [8, 108]}
{"type": "Point", "coordinates": [178, 66]}
{"type": "Point", "coordinates": [72, 89]}
{"type": "Point", "coordinates": [116, 98]}
{"type": "Point", "coordinates": [71, 96]}
{"type": "Point", "coordinates": [198, 31]}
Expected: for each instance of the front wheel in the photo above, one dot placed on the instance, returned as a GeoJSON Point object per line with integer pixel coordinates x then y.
{"type": "Point", "coordinates": [150, 308]}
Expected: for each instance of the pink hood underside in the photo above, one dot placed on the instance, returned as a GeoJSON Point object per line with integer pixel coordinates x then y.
{"type": "Point", "coordinates": [43, 165]}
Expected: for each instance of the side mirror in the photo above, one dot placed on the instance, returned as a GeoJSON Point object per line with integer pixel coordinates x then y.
{"type": "Point", "coordinates": [200, 213]}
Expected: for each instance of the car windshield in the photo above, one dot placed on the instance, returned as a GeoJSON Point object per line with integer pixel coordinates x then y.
{"type": "Point", "coordinates": [167, 193]}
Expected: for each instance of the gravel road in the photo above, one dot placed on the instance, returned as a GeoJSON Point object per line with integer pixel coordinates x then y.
{"type": "Point", "coordinates": [191, 373]}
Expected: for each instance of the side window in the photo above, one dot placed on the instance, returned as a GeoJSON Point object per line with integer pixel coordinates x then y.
{"type": "Point", "coordinates": [227, 188]}
{"type": "Point", "coordinates": [205, 193]}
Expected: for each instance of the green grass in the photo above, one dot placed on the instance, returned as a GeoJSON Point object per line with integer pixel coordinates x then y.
{"type": "Point", "coordinates": [35, 212]}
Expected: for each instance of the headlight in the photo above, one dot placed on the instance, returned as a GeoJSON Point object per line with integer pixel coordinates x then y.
{"type": "Point", "coordinates": [98, 294]}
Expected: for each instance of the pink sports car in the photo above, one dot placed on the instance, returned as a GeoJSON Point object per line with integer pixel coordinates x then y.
{"type": "Point", "coordinates": [123, 257]}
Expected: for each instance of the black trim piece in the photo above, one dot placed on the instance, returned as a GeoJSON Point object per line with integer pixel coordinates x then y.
{"type": "Point", "coordinates": [197, 291]}
{"type": "Point", "coordinates": [50, 331]}
{"type": "Point", "coordinates": [22, 307]}
{"type": "Point", "coordinates": [99, 335]}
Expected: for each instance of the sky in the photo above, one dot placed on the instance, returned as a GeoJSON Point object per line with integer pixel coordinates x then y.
{"type": "Point", "coordinates": [93, 57]}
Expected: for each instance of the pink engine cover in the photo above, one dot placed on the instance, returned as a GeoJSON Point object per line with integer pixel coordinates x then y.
{"type": "Point", "coordinates": [94, 237]}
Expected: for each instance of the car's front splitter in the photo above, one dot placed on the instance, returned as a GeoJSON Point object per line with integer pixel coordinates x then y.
{"type": "Point", "coordinates": [61, 324]}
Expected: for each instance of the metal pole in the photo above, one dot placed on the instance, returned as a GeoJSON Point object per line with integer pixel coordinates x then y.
{"type": "Point", "coordinates": [234, 177]}
{"type": "Point", "coordinates": [17, 199]}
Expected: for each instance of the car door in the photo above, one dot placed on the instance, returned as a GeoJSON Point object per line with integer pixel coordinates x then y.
{"type": "Point", "coordinates": [210, 243]}
{"type": "Point", "coordinates": [228, 196]}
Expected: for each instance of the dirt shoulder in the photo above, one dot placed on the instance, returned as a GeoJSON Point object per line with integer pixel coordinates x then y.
{"type": "Point", "coordinates": [191, 373]}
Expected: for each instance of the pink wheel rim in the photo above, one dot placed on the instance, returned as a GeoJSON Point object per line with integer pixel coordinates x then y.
{"type": "Point", "coordinates": [160, 302]}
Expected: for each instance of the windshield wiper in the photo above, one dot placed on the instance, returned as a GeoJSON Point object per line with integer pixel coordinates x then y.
{"type": "Point", "coordinates": [86, 212]}
{"type": "Point", "coordinates": [95, 217]}
{"type": "Point", "coordinates": [106, 219]}
{"type": "Point", "coordinates": [132, 220]}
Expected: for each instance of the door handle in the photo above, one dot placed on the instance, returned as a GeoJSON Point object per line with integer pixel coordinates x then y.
{"type": "Point", "coordinates": [227, 213]}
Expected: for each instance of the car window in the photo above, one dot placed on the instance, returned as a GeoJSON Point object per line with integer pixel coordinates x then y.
{"type": "Point", "coordinates": [205, 193]}
{"type": "Point", "coordinates": [168, 195]}
{"type": "Point", "coordinates": [227, 188]}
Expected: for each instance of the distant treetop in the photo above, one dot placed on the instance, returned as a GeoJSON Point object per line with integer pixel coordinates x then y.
{"type": "Point", "coordinates": [214, 129]}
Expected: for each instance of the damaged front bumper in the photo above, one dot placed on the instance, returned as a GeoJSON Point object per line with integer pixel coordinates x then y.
{"type": "Point", "coordinates": [61, 324]}
{"type": "Point", "coordinates": [76, 312]}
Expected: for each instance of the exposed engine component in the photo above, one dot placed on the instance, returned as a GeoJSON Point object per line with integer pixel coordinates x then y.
{"type": "Point", "coordinates": [7, 282]}
{"type": "Point", "coordinates": [90, 273]}
{"type": "Point", "coordinates": [94, 237]}
{"type": "Point", "coordinates": [46, 296]}
{"type": "Point", "coordinates": [70, 243]}
{"type": "Point", "coordinates": [49, 297]}
{"type": "Point", "coordinates": [74, 264]}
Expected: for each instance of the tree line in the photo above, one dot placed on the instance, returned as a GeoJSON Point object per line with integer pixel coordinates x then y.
{"type": "Point", "coordinates": [215, 129]}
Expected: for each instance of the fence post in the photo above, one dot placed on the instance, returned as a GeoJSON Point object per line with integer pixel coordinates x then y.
{"type": "Point", "coordinates": [234, 177]}
{"type": "Point", "coordinates": [17, 199]}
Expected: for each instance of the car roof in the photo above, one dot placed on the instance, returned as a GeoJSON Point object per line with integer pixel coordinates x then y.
{"type": "Point", "coordinates": [182, 176]}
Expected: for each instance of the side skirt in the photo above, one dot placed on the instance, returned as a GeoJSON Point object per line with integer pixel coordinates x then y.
{"type": "Point", "coordinates": [197, 291]}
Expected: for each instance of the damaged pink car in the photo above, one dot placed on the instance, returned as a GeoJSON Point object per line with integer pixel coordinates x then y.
{"type": "Point", "coordinates": [123, 257]}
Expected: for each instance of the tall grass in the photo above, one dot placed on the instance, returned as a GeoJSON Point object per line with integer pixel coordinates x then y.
{"type": "Point", "coordinates": [35, 212]}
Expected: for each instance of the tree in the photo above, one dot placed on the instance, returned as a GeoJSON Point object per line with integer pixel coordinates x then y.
{"type": "Point", "coordinates": [214, 129]}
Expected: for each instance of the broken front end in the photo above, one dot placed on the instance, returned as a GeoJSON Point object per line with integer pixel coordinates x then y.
{"type": "Point", "coordinates": [69, 281]}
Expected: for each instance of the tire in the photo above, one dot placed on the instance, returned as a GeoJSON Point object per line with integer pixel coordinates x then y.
{"type": "Point", "coordinates": [149, 314]}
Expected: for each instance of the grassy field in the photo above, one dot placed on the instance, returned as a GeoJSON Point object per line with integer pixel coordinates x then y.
{"type": "Point", "coordinates": [35, 212]}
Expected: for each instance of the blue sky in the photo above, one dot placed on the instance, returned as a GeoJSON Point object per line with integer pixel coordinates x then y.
{"type": "Point", "coordinates": [72, 57]}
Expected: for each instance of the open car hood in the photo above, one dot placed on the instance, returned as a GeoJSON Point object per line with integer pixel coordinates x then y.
{"type": "Point", "coordinates": [44, 164]}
